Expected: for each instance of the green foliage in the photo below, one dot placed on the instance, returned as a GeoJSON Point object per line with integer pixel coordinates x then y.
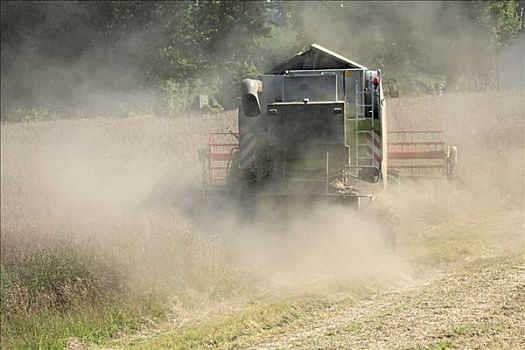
{"type": "Point", "coordinates": [53, 330]}
{"type": "Point", "coordinates": [50, 294]}
{"type": "Point", "coordinates": [459, 330]}
{"type": "Point", "coordinates": [504, 20]}
{"type": "Point", "coordinates": [283, 42]}
{"type": "Point", "coordinates": [53, 278]}
{"type": "Point", "coordinates": [30, 114]}
{"type": "Point", "coordinates": [176, 96]}
{"type": "Point", "coordinates": [52, 49]}
{"type": "Point", "coordinates": [113, 46]}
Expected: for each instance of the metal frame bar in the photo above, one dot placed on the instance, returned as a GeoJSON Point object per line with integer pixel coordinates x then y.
{"type": "Point", "coordinates": [420, 152]}
{"type": "Point", "coordinates": [215, 156]}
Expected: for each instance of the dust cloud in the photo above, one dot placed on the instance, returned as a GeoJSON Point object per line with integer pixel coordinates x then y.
{"type": "Point", "coordinates": [405, 39]}
{"type": "Point", "coordinates": [129, 188]}
{"type": "Point", "coordinates": [72, 78]}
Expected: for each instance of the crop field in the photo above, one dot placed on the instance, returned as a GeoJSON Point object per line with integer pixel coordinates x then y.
{"type": "Point", "coordinates": [106, 242]}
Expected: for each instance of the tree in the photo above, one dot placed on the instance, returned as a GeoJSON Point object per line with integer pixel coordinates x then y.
{"type": "Point", "coordinates": [503, 18]}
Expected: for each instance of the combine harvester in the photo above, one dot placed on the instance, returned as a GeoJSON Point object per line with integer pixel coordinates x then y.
{"type": "Point", "coordinates": [315, 128]}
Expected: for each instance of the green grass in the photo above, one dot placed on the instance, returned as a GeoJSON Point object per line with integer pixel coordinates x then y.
{"type": "Point", "coordinates": [253, 324]}
{"type": "Point", "coordinates": [448, 340]}
{"type": "Point", "coordinates": [445, 244]}
{"type": "Point", "coordinates": [459, 330]}
{"type": "Point", "coordinates": [52, 329]}
{"type": "Point", "coordinates": [51, 294]}
{"type": "Point", "coordinates": [442, 345]}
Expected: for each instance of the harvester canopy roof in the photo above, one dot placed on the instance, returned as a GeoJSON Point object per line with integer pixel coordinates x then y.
{"type": "Point", "coordinates": [316, 57]}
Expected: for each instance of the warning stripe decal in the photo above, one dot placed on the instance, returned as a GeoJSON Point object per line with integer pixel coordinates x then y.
{"type": "Point", "coordinates": [375, 147]}
{"type": "Point", "coordinates": [247, 149]}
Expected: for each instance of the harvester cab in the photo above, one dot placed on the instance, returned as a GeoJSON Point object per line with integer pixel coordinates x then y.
{"type": "Point", "coordinates": [312, 128]}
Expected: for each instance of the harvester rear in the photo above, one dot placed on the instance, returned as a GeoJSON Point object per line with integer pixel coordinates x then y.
{"type": "Point", "coordinates": [311, 129]}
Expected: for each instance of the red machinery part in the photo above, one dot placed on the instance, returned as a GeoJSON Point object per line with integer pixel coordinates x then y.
{"type": "Point", "coordinates": [417, 152]}
{"type": "Point", "coordinates": [220, 148]}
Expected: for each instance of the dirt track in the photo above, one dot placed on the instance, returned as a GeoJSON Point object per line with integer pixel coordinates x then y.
{"type": "Point", "coordinates": [472, 299]}
{"type": "Point", "coordinates": [475, 300]}
{"type": "Point", "coordinates": [479, 307]}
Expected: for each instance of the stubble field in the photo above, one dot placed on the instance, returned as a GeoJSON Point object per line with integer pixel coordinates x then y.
{"type": "Point", "coordinates": [105, 243]}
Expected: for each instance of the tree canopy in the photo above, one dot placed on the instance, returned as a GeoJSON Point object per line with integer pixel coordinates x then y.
{"type": "Point", "coordinates": [59, 54]}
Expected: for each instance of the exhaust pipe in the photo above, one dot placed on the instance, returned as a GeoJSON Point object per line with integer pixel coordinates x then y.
{"type": "Point", "coordinates": [250, 90]}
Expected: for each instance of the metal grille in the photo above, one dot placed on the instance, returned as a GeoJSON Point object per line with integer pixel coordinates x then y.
{"type": "Point", "coordinates": [221, 146]}
{"type": "Point", "coordinates": [417, 153]}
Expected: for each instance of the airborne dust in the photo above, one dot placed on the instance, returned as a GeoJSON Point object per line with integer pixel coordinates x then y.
{"type": "Point", "coordinates": [129, 189]}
